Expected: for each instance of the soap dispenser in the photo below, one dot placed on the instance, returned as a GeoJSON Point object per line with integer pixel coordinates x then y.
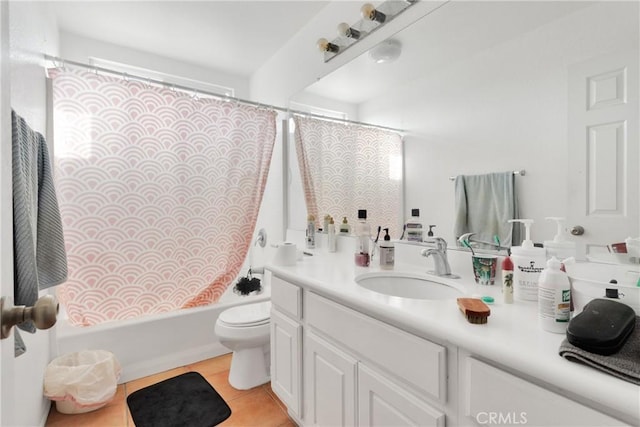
{"type": "Point", "coordinates": [528, 262]}
{"type": "Point", "coordinates": [363, 235]}
{"type": "Point", "coordinates": [560, 247]}
{"type": "Point", "coordinates": [387, 252]}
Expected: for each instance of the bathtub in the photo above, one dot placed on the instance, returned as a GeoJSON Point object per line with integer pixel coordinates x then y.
{"type": "Point", "coordinates": [154, 343]}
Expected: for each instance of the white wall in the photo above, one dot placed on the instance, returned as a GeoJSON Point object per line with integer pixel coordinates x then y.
{"type": "Point", "coordinates": [501, 109]}
{"type": "Point", "coordinates": [82, 49]}
{"type": "Point", "coordinates": [32, 32]}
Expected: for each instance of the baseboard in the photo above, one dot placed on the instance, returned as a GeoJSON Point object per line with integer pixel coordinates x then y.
{"type": "Point", "coordinates": [165, 362]}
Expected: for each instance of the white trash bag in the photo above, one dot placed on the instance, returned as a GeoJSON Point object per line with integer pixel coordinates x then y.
{"type": "Point", "coordinates": [83, 381]}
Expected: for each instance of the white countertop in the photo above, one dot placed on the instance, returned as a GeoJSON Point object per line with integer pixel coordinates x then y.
{"type": "Point", "coordinates": [511, 338]}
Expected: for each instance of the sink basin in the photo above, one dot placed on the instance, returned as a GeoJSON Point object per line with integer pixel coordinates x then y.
{"type": "Point", "coordinates": [407, 286]}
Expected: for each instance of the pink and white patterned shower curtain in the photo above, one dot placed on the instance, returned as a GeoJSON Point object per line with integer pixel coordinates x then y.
{"type": "Point", "coordinates": [346, 167]}
{"type": "Point", "coordinates": [159, 193]}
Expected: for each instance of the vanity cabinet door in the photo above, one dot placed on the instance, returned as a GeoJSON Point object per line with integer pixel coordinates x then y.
{"type": "Point", "coordinates": [383, 403]}
{"type": "Point", "coordinates": [286, 363]}
{"type": "Point", "coordinates": [330, 376]}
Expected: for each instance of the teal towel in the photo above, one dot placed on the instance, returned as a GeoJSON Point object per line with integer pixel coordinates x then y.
{"type": "Point", "coordinates": [484, 204]}
{"type": "Point", "coordinates": [40, 259]}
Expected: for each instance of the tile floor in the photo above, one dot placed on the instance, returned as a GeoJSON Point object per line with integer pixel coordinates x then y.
{"type": "Point", "coordinates": [258, 406]}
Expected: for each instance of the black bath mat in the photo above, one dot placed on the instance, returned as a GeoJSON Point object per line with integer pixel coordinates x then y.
{"type": "Point", "coordinates": [187, 400]}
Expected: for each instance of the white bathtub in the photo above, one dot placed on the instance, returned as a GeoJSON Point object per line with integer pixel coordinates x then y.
{"type": "Point", "coordinates": [154, 343]}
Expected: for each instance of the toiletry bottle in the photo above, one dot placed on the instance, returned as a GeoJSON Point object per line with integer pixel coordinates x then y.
{"type": "Point", "coordinates": [414, 227]}
{"type": "Point", "coordinates": [430, 232]}
{"type": "Point", "coordinates": [345, 228]}
{"type": "Point", "coordinates": [325, 224]}
{"type": "Point", "coordinates": [387, 252]}
{"type": "Point", "coordinates": [311, 232]}
{"type": "Point", "coordinates": [560, 247]}
{"type": "Point", "coordinates": [554, 298]}
{"type": "Point", "coordinates": [331, 236]}
{"type": "Point", "coordinates": [528, 261]}
{"type": "Point", "coordinates": [363, 234]}
{"type": "Point", "coordinates": [507, 280]}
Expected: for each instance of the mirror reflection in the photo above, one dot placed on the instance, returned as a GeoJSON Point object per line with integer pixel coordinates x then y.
{"type": "Point", "coordinates": [484, 87]}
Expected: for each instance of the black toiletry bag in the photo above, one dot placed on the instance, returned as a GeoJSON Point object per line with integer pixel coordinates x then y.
{"type": "Point", "coordinates": [602, 327]}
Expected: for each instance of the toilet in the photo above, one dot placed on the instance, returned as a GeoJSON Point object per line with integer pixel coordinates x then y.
{"type": "Point", "coordinates": [245, 330]}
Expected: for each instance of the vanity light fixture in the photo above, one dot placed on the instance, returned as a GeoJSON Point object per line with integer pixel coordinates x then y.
{"type": "Point", "coordinates": [371, 14]}
{"type": "Point", "coordinates": [345, 30]}
{"type": "Point", "coordinates": [325, 45]}
{"type": "Point", "coordinates": [372, 19]}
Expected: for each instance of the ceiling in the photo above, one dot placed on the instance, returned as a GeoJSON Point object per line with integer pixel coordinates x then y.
{"type": "Point", "coordinates": [232, 36]}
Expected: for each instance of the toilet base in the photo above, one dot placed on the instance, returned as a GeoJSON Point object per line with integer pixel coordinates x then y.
{"type": "Point", "coordinates": [248, 368]}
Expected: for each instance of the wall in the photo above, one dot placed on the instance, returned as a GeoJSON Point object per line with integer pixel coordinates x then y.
{"type": "Point", "coordinates": [32, 32]}
{"type": "Point", "coordinates": [504, 108]}
{"type": "Point", "coordinates": [82, 49]}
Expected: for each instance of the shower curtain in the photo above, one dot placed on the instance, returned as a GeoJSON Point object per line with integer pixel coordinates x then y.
{"type": "Point", "coordinates": [346, 167]}
{"type": "Point", "coordinates": [159, 193]}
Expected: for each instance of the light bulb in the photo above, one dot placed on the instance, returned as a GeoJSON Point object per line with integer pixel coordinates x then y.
{"type": "Point", "coordinates": [370, 13]}
{"type": "Point", "coordinates": [345, 30]}
{"type": "Point", "coordinates": [325, 46]}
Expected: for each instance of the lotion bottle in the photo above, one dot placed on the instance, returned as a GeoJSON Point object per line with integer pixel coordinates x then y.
{"type": "Point", "coordinates": [528, 262]}
{"type": "Point", "coordinates": [331, 236]}
{"type": "Point", "coordinates": [560, 247]}
{"type": "Point", "coordinates": [554, 298]}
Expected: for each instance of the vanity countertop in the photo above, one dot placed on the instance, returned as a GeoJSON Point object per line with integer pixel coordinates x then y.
{"type": "Point", "coordinates": [511, 338]}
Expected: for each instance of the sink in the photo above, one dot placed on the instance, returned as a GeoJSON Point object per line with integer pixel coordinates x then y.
{"type": "Point", "coordinates": [406, 285]}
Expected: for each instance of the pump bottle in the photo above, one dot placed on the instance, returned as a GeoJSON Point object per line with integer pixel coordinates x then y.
{"type": "Point", "coordinates": [387, 252]}
{"type": "Point", "coordinates": [529, 262]}
{"type": "Point", "coordinates": [345, 228]}
{"type": "Point", "coordinates": [560, 246]}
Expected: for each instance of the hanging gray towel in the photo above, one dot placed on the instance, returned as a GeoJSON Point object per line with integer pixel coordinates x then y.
{"type": "Point", "coordinates": [484, 204]}
{"type": "Point", "coordinates": [40, 259]}
{"type": "Point", "coordinates": [624, 364]}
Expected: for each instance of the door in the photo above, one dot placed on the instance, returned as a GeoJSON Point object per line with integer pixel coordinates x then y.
{"type": "Point", "coordinates": [382, 403]}
{"type": "Point", "coordinates": [603, 150]}
{"type": "Point", "coordinates": [286, 363]}
{"type": "Point", "coordinates": [6, 221]}
{"type": "Point", "coordinates": [330, 377]}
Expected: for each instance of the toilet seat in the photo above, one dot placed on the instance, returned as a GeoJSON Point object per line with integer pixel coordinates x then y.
{"type": "Point", "coordinates": [248, 315]}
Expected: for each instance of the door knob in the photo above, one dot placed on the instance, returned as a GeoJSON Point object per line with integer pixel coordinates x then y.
{"type": "Point", "coordinates": [577, 230]}
{"type": "Point", "coordinates": [43, 314]}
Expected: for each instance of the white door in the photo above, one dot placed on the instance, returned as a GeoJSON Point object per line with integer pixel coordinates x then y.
{"type": "Point", "coordinates": [286, 360]}
{"type": "Point", "coordinates": [603, 150]}
{"type": "Point", "coordinates": [382, 403]}
{"type": "Point", "coordinates": [6, 221]}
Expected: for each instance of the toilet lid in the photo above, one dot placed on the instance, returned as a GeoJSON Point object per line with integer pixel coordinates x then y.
{"type": "Point", "coordinates": [247, 315]}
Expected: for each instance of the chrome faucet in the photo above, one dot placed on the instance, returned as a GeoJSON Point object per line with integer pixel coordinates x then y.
{"type": "Point", "coordinates": [439, 253]}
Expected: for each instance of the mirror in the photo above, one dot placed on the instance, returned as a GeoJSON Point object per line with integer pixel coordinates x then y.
{"type": "Point", "coordinates": [485, 87]}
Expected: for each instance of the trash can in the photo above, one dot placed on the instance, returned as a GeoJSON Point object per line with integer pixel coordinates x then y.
{"type": "Point", "coordinates": [83, 381]}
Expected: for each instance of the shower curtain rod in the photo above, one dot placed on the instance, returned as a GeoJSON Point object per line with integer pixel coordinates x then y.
{"type": "Point", "coordinates": [57, 60]}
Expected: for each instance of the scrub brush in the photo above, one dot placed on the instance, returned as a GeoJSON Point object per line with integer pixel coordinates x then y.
{"type": "Point", "coordinates": [474, 309]}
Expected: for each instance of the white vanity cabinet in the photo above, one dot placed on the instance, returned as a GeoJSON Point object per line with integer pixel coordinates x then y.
{"type": "Point", "coordinates": [355, 369]}
{"type": "Point", "coordinates": [286, 344]}
{"type": "Point", "coordinates": [490, 395]}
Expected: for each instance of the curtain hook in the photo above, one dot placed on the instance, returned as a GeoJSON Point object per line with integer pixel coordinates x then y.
{"type": "Point", "coordinates": [148, 82]}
